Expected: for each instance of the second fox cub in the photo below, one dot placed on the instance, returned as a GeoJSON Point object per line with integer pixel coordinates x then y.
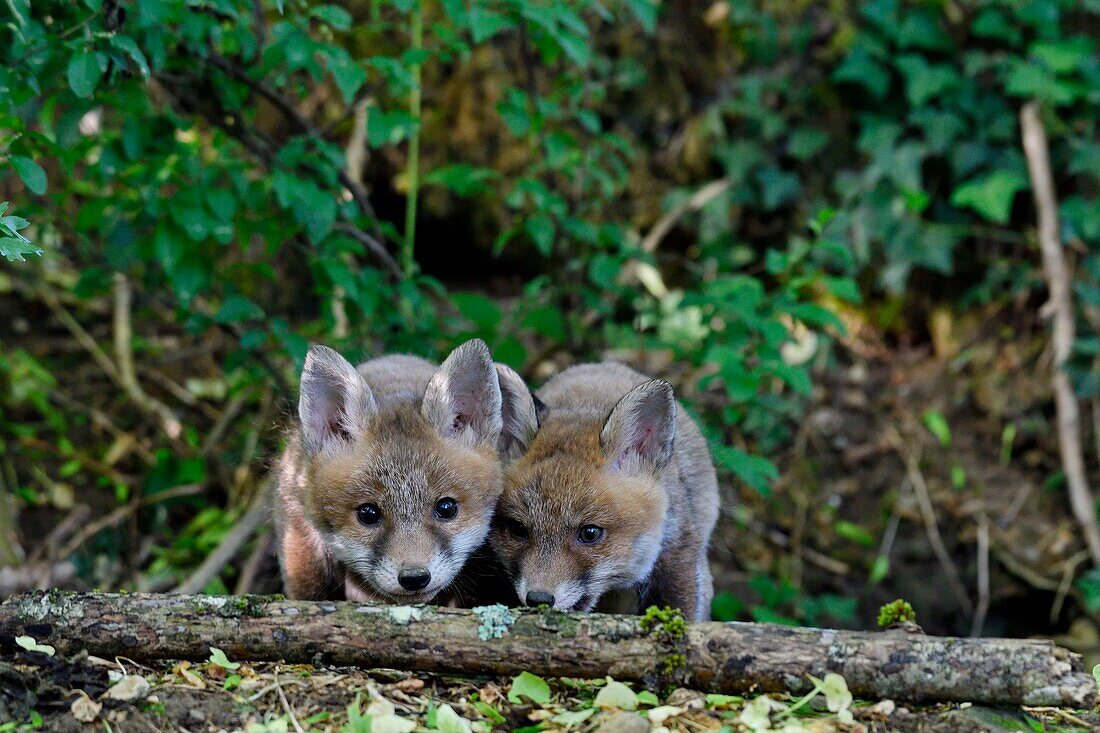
{"type": "Point", "coordinates": [615, 495]}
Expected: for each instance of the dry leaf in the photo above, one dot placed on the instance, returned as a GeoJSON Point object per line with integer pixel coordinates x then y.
{"type": "Point", "coordinates": [129, 688]}
{"type": "Point", "coordinates": [84, 708]}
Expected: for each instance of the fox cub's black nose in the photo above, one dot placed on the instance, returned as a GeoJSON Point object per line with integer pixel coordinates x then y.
{"type": "Point", "coordinates": [539, 598]}
{"type": "Point", "coordinates": [414, 578]}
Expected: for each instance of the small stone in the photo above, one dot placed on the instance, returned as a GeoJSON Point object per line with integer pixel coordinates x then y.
{"type": "Point", "coordinates": [196, 715]}
{"type": "Point", "coordinates": [624, 723]}
{"type": "Point", "coordinates": [687, 699]}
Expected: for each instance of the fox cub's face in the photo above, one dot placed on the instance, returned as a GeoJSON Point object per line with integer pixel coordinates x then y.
{"type": "Point", "coordinates": [402, 495]}
{"type": "Point", "coordinates": [583, 510]}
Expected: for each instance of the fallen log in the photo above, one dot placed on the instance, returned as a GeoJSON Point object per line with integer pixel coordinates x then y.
{"type": "Point", "coordinates": [654, 649]}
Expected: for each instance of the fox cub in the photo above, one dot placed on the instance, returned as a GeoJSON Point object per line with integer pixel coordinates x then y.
{"type": "Point", "coordinates": [612, 501]}
{"type": "Point", "coordinates": [390, 481]}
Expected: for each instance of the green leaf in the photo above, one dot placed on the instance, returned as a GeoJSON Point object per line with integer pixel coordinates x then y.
{"type": "Point", "coordinates": [217, 656]}
{"type": "Point", "coordinates": [238, 309]}
{"type": "Point", "coordinates": [756, 471]}
{"type": "Point", "coordinates": [479, 309]}
{"type": "Point", "coordinates": [572, 718]}
{"type": "Point", "coordinates": [726, 607]}
{"type": "Point", "coordinates": [645, 697]}
{"type": "Point", "coordinates": [484, 23]}
{"type": "Point", "coordinates": [462, 178]}
{"type": "Point", "coordinates": [937, 425]}
{"type": "Point", "coordinates": [490, 712]}
{"type": "Point", "coordinates": [924, 81]}
{"type": "Point", "coordinates": [129, 47]}
{"type": "Point", "coordinates": [645, 11]}
{"type": "Point", "coordinates": [13, 249]}
{"type": "Point", "coordinates": [332, 15]}
{"type": "Point", "coordinates": [991, 195]}
{"type": "Point", "coordinates": [533, 687]}
{"type": "Point", "coordinates": [853, 532]}
{"type": "Point", "coordinates": [31, 173]}
{"type": "Point", "coordinates": [84, 72]}
{"type": "Point", "coordinates": [1065, 56]}
{"type": "Point", "coordinates": [348, 75]}
{"type": "Point", "coordinates": [540, 227]}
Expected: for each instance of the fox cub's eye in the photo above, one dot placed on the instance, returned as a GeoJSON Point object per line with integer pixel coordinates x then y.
{"type": "Point", "coordinates": [368, 514]}
{"type": "Point", "coordinates": [590, 534]}
{"type": "Point", "coordinates": [446, 508]}
{"type": "Point", "coordinates": [516, 529]}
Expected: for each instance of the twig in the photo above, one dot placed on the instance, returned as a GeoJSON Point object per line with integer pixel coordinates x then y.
{"type": "Point", "coordinates": [285, 702]}
{"type": "Point", "coordinates": [86, 461]}
{"type": "Point", "coordinates": [408, 263]}
{"type": "Point", "coordinates": [1069, 568]}
{"type": "Point", "coordinates": [697, 201]}
{"type": "Point", "coordinates": [978, 621]}
{"type": "Point", "coordinates": [1025, 573]}
{"type": "Point", "coordinates": [370, 243]}
{"type": "Point", "coordinates": [245, 527]}
{"type": "Point", "coordinates": [652, 239]}
{"type": "Point", "coordinates": [888, 537]}
{"type": "Point", "coordinates": [928, 516]}
{"type": "Point", "coordinates": [120, 514]}
{"type": "Point", "coordinates": [1061, 301]}
{"type": "Point", "coordinates": [251, 567]}
{"type": "Point", "coordinates": [228, 414]}
{"type": "Point", "coordinates": [123, 333]}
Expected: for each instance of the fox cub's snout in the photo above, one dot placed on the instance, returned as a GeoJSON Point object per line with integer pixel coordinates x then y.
{"type": "Point", "coordinates": [391, 481]}
{"type": "Point", "coordinates": [614, 498]}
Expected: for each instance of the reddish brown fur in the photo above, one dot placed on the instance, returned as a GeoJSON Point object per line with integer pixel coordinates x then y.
{"type": "Point", "coordinates": [563, 482]}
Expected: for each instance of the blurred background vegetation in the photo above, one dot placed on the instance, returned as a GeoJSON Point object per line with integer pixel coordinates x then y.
{"type": "Point", "coordinates": [815, 218]}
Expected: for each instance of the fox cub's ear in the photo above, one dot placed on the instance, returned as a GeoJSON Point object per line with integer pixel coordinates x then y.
{"type": "Point", "coordinates": [640, 431]}
{"type": "Point", "coordinates": [334, 403]}
{"type": "Point", "coordinates": [518, 413]}
{"type": "Point", "coordinates": [463, 396]}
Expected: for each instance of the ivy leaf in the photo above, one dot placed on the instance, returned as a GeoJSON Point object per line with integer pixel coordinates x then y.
{"type": "Point", "coordinates": [484, 23]}
{"type": "Point", "coordinates": [332, 15]}
{"type": "Point", "coordinates": [533, 687]}
{"type": "Point", "coordinates": [991, 195]}
{"type": "Point", "coordinates": [84, 73]}
{"type": "Point", "coordinates": [31, 173]}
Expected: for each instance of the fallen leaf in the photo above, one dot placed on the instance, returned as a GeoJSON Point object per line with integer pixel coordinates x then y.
{"type": "Point", "coordinates": [129, 688]}
{"type": "Point", "coordinates": [533, 687]}
{"type": "Point", "coordinates": [217, 656]}
{"type": "Point", "coordinates": [28, 643]}
{"type": "Point", "coordinates": [448, 721]}
{"type": "Point", "coordinates": [659, 715]}
{"type": "Point", "coordinates": [412, 684]}
{"type": "Point", "coordinates": [84, 708]}
{"type": "Point", "coordinates": [616, 695]}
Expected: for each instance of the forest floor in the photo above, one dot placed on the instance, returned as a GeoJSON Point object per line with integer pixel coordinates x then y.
{"type": "Point", "coordinates": [68, 697]}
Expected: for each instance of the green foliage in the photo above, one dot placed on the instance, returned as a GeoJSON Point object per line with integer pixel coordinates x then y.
{"type": "Point", "coordinates": [14, 245]}
{"type": "Point", "coordinates": [896, 612]}
{"type": "Point", "coordinates": [529, 686]}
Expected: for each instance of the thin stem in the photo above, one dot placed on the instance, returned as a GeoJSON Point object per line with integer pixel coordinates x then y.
{"type": "Point", "coordinates": [407, 247]}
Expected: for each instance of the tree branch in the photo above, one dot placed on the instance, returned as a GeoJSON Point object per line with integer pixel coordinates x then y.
{"type": "Point", "coordinates": [1059, 282]}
